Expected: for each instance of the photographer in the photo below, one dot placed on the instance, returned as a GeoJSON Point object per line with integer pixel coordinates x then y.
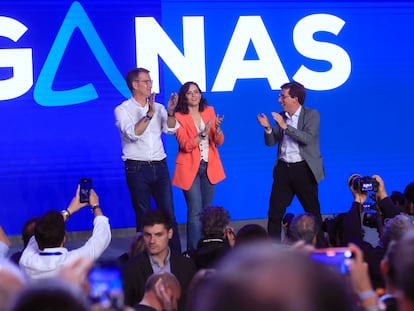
{"type": "Point", "coordinates": [353, 232]}
{"type": "Point", "coordinates": [45, 254]}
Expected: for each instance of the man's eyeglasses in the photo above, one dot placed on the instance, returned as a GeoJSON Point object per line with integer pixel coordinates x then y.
{"type": "Point", "coordinates": [284, 96]}
{"type": "Point", "coordinates": [145, 81]}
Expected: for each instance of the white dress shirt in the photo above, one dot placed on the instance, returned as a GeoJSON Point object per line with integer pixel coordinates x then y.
{"type": "Point", "coordinates": [46, 263]}
{"type": "Point", "coordinates": [289, 151]}
{"type": "Point", "coordinates": [148, 146]}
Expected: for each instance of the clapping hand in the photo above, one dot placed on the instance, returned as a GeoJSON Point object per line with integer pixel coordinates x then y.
{"type": "Point", "coordinates": [172, 103]}
{"type": "Point", "coordinates": [151, 106]}
{"type": "Point", "coordinates": [219, 120]}
{"type": "Point", "coordinates": [279, 119]}
{"type": "Point", "coordinates": [263, 120]}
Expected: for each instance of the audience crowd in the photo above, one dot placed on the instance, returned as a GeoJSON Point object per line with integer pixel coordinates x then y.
{"type": "Point", "coordinates": [230, 269]}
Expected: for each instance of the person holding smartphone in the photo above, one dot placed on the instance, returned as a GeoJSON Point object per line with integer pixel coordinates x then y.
{"type": "Point", "coordinates": [46, 254]}
{"type": "Point", "coordinates": [198, 167]}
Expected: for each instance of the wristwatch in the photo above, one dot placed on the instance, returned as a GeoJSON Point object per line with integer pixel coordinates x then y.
{"type": "Point", "coordinates": [65, 213]}
{"type": "Point", "coordinates": [94, 207]}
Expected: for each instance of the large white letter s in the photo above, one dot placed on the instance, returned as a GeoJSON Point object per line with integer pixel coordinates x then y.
{"type": "Point", "coordinates": [307, 46]}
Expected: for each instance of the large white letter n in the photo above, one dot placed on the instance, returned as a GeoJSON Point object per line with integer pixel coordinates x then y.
{"type": "Point", "coordinates": [152, 41]}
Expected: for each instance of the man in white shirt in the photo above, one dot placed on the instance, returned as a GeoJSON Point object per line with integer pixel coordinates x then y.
{"type": "Point", "coordinates": [45, 253]}
{"type": "Point", "coordinates": [141, 123]}
{"type": "Point", "coordinates": [299, 167]}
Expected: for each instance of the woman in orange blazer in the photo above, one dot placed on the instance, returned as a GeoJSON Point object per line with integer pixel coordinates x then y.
{"type": "Point", "coordinates": [198, 166]}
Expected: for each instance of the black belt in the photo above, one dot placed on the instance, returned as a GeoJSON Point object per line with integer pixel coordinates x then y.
{"type": "Point", "coordinates": [291, 164]}
{"type": "Point", "coordinates": [145, 162]}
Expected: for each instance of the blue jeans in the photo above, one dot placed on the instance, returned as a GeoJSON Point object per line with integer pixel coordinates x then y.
{"type": "Point", "coordinates": [200, 195]}
{"type": "Point", "coordinates": [146, 179]}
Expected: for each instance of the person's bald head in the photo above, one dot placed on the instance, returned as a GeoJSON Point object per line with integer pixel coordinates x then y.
{"type": "Point", "coordinates": [168, 279]}
{"type": "Point", "coordinates": [159, 285]}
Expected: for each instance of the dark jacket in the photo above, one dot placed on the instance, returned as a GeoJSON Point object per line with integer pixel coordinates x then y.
{"type": "Point", "coordinates": [210, 251]}
{"type": "Point", "coordinates": [353, 234]}
{"type": "Point", "coordinates": [136, 271]}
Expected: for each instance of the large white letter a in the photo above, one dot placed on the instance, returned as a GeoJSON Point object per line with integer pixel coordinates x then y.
{"type": "Point", "coordinates": [234, 65]}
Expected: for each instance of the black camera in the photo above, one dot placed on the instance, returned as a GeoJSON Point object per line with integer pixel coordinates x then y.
{"type": "Point", "coordinates": [363, 184]}
{"type": "Point", "coordinates": [370, 219]}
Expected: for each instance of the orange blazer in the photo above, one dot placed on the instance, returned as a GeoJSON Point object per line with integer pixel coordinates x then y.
{"type": "Point", "coordinates": [189, 156]}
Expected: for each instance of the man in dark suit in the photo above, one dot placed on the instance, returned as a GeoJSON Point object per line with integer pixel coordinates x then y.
{"type": "Point", "coordinates": [299, 167]}
{"type": "Point", "coordinates": [157, 256]}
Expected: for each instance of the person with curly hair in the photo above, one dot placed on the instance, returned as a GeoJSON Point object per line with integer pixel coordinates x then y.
{"type": "Point", "coordinates": [217, 239]}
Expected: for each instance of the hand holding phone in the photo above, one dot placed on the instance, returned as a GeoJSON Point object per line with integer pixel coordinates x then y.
{"type": "Point", "coordinates": [358, 271]}
{"type": "Point", "coordinates": [106, 290]}
{"type": "Point", "coordinates": [85, 189]}
{"type": "Point", "coordinates": [336, 257]}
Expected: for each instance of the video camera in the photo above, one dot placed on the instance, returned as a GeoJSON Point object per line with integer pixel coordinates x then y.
{"type": "Point", "coordinates": [367, 184]}
{"type": "Point", "coordinates": [370, 218]}
{"type": "Point", "coordinates": [363, 184]}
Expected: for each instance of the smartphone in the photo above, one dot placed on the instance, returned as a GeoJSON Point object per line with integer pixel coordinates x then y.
{"type": "Point", "coordinates": [106, 290]}
{"type": "Point", "coordinates": [85, 189]}
{"type": "Point", "coordinates": [336, 257]}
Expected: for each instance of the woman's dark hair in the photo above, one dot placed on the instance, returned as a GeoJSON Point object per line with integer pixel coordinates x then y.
{"type": "Point", "coordinates": [182, 105]}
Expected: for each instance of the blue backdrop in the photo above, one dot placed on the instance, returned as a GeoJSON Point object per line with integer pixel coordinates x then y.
{"type": "Point", "coordinates": [62, 65]}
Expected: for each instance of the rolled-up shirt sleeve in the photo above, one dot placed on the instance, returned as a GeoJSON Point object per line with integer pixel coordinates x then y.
{"type": "Point", "coordinates": [125, 123]}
